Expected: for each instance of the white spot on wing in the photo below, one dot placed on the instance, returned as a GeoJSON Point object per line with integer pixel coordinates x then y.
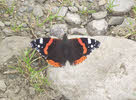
{"type": "Point", "coordinates": [92, 46]}
{"type": "Point", "coordinates": [41, 40]}
{"type": "Point", "coordinates": [38, 46]}
{"type": "Point", "coordinates": [89, 41]}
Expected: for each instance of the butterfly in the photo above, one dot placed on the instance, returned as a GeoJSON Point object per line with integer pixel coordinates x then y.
{"type": "Point", "coordinates": [57, 51]}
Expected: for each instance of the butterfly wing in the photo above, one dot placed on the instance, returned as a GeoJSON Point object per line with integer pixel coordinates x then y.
{"type": "Point", "coordinates": [56, 52]}
{"type": "Point", "coordinates": [48, 48]}
{"type": "Point", "coordinates": [40, 44]}
{"type": "Point", "coordinates": [81, 48]}
{"type": "Point", "coordinates": [90, 44]}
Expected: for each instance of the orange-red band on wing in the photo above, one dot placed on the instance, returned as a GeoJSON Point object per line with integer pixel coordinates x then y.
{"type": "Point", "coordinates": [53, 63]}
{"type": "Point", "coordinates": [82, 44]}
{"type": "Point", "coordinates": [80, 60]}
{"type": "Point", "coordinates": [47, 46]}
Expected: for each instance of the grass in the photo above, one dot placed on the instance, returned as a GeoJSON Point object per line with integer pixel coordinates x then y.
{"type": "Point", "coordinates": [131, 29]}
{"type": "Point", "coordinates": [50, 17]}
{"type": "Point", "coordinates": [19, 27]}
{"type": "Point", "coordinates": [86, 12]}
{"type": "Point", "coordinates": [16, 27]}
{"type": "Point", "coordinates": [110, 5]}
{"type": "Point", "coordinates": [34, 75]}
{"type": "Point", "coordinates": [134, 9]}
{"type": "Point", "coordinates": [8, 10]}
{"type": "Point", "coordinates": [132, 25]}
{"type": "Point", "coordinates": [66, 3]}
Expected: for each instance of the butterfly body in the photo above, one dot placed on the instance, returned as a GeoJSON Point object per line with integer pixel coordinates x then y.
{"type": "Point", "coordinates": [58, 51]}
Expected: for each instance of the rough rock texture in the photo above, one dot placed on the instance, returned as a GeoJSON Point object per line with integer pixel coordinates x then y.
{"type": "Point", "coordinates": [99, 15]}
{"type": "Point", "coordinates": [78, 31]}
{"type": "Point", "coordinates": [122, 6]}
{"type": "Point", "coordinates": [109, 73]}
{"type": "Point", "coordinates": [1, 24]}
{"type": "Point", "coordinates": [40, 1]}
{"type": "Point", "coordinates": [8, 32]}
{"type": "Point", "coordinates": [54, 9]}
{"type": "Point", "coordinates": [59, 29]}
{"type": "Point", "coordinates": [11, 46]}
{"type": "Point", "coordinates": [97, 27]}
{"type": "Point", "coordinates": [37, 11]}
{"type": "Point", "coordinates": [63, 11]}
{"type": "Point", "coordinates": [126, 28]}
{"type": "Point", "coordinates": [116, 20]}
{"type": "Point", "coordinates": [128, 21]}
{"type": "Point", "coordinates": [2, 85]}
{"type": "Point", "coordinates": [73, 9]}
{"type": "Point", "coordinates": [73, 19]}
{"type": "Point", "coordinates": [102, 2]}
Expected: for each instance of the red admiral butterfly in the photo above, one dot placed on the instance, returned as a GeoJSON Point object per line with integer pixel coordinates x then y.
{"type": "Point", "coordinates": [57, 51]}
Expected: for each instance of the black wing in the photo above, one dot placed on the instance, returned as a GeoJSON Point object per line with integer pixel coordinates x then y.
{"type": "Point", "coordinates": [51, 49]}
{"type": "Point", "coordinates": [81, 47]}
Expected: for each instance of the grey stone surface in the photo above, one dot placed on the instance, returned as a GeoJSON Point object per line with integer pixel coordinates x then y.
{"type": "Point", "coordinates": [73, 19]}
{"type": "Point", "coordinates": [9, 2]}
{"type": "Point", "coordinates": [78, 31]}
{"type": "Point", "coordinates": [54, 9]}
{"type": "Point", "coordinates": [90, 0]}
{"type": "Point", "coordinates": [128, 21]}
{"type": "Point", "coordinates": [2, 85]}
{"type": "Point", "coordinates": [7, 23]}
{"type": "Point", "coordinates": [24, 25]}
{"type": "Point", "coordinates": [122, 6]}
{"type": "Point", "coordinates": [40, 1]}
{"type": "Point", "coordinates": [107, 73]}
{"type": "Point", "coordinates": [116, 20]}
{"type": "Point", "coordinates": [102, 2]}
{"type": "Point", "coordinates": [82, 8]}
{"type": "Point", "coordinates": [8, 32]}
{"type": "Point", "coordinates": [2, 24]}
{"type": "Point", "coordinates": [31, 90]}
{"type": "Point", "coordinates": [22, 9]}
{"type": "Point", "coordinates": [29, 9]}
{"type": "Point", "coordinates": [59, 29]}
{"type": "Point", "coordinates": [4, 99]}
{"type": "Point", "coordinates": [1, 35]}
{"type": "Point", "coordinates": [53, 0]}
{"type": "Point", "coordinates": [37, 11]}
{"type": "Point", "coordinates": [26, 3]}
{"type": "Point", "coordinates": [99, 15]}
{"type": "Point", "coordinates": [18, 22]}
{"type": "Point", "coordinates": [73, 9]}
{"type": "Point", "coordinates": [63, 11]}
{"type": "Point", "coordinates": [97, 27]}
{"type": "Point", "coordinates": [126, 28]}
{"type": "Point", "coordinates": [12, 46]}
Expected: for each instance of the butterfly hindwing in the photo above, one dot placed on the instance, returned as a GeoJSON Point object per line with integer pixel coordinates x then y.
{"type": "Point", "coordinates": [56, 52]}
{"type": "Point", "coordinates": [75, 49]}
